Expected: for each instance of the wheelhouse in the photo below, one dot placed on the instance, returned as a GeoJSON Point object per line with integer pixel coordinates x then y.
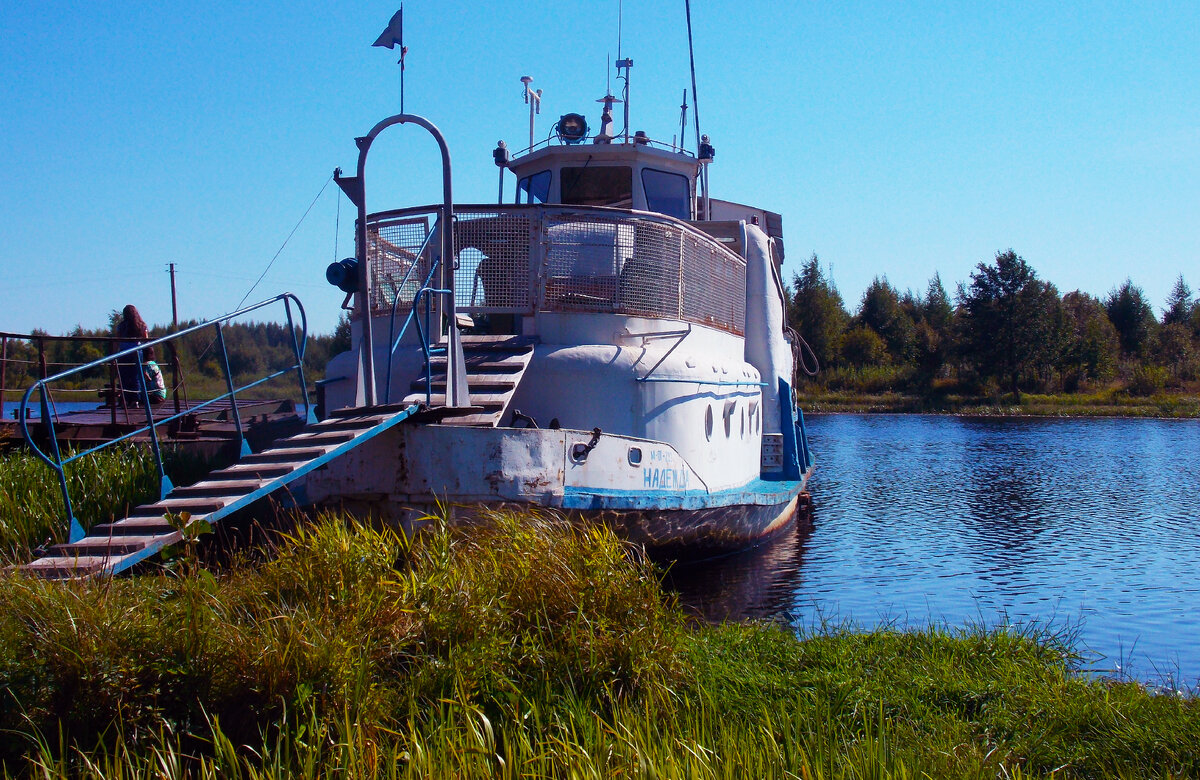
{"type": "Point", "coordinates": [635, 176]}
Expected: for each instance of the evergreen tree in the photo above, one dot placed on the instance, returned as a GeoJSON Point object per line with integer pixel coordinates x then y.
{"type": "Point", "coordinates": [1179, 304]}
{"type": "Point", "coordinates": [935, 307]}
{"type": "Point", "coordinates": [1133, 318]}
{"type": "Point", "coordinates": [881, 311]}
{"type": "Point", "coordinates": [1012, 320]}
{"type": "Point", "coordinates": [934, 337]}
{"type": "Point", "coordinates": [1092, 346]}
{"type": "Point", "coordinates": [816, 311]}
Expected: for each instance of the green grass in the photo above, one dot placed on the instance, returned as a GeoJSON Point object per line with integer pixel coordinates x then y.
{"type": "Point", "coordinates": [526, 647]}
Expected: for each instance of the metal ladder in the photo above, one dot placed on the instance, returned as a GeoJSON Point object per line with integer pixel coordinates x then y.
{"type": "Point", "coordinates": [494, 367]}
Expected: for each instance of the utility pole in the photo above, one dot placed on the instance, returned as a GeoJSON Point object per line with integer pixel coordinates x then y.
{"type": "Point", "coordinates": [174, 306]}
{"type": "Point", "coordinates": [171, 344]}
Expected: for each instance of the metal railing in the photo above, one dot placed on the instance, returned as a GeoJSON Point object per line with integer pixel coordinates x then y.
{"type": "Point", "coordinates": [571, 259]}
{"type": "Point", "coordinates": [133, 356]}
{"type": "Point", "coordinates": [395, 338]}
{"type": "Point", "coordinates": [33, 355]}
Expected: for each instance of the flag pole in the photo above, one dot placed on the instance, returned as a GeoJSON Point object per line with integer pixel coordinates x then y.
{"type": "Point", "coordinates": [403, 51]}
{"type": "Point", "coordinates": [394, 34]}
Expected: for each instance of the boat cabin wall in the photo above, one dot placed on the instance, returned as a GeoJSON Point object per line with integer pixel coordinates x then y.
{"type": "Point", "coordinates": [628, 176]}
{"type": "Point", "coordinates": [660, 380]}
{"type": "Point", "coordinates": [767, 221]}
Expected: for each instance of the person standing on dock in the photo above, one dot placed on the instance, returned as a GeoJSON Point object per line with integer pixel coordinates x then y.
{"type": "Point", "coordinates": [131, 330]}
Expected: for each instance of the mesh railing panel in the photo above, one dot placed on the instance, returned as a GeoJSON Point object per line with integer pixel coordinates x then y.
{"type": "Point", "coordinates": [580, 261]}
{"type": "Point", "coordinates": [713, 285]}
{"type": "Point", "coordinates": [393, 245]}
{"type": "Point", "coordinates": [583, 259]}
{"type": "Point", "coordinates": [493, 273]}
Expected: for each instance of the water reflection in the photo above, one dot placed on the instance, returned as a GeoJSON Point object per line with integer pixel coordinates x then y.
{"type": "Point", "coordinates": [925, 518]}
{"type": "Point", "coordinates": [755, 584]}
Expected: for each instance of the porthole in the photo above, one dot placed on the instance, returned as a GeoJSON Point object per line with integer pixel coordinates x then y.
{"type": "Point", "coordinates": [708, 422]}
{"type": "Point", "coordinates": [728, 415]}
{"type": "Point", "coordinates": [743, 423]}
{"type": "Point", "coordinates": [635, 456]}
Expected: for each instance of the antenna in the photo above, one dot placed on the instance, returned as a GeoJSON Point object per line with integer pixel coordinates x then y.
{"type": "Point", "coordinates": [533, 99]}
{"type": "Point", "coordinates": [703, 147]}
{"type": "Point", "coordinates": [625, 65]}
{"type": "Point", "coordinates": [683, 121]}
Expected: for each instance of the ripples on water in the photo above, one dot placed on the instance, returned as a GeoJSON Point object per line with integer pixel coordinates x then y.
{"type": "Point", "coordinates": [1084, 524]}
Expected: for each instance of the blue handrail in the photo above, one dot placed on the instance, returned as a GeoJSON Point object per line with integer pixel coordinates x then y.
{"type": "Point", "coordinates": [394, 338]}
{"type": "Point", "coordinates": [134, 354]}
{"type": "Point", "coordinates": [424, 336]}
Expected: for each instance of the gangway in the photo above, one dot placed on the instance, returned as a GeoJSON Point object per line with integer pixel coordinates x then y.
{"type": "Point", "coordinates": [110, 548]}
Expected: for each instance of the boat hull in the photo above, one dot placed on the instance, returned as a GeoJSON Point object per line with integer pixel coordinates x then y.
{"type": "Point", "coordinates": [411, 473]}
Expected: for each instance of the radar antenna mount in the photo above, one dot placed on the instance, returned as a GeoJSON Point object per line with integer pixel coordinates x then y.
{"type": "Point", "coordinates": [533, 99]}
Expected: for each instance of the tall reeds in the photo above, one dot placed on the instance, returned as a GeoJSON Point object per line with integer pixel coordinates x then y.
{"type": "Point", "coordinates": [101, 485]}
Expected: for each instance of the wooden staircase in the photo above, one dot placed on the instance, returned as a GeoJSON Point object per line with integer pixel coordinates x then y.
{"type": "Point", "coordinates": [109, 548]}
{"type": "Point", "coordinates": [495, 365]}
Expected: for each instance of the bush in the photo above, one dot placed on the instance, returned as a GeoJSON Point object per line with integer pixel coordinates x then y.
{"type": "Point", "coordinates": [1147, 380]}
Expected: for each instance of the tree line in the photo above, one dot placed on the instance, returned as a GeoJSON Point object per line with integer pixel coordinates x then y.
{"type": "Point", "coordinates": [254, 349]}
{"type": "Point", "coordinates": [1005, 331]}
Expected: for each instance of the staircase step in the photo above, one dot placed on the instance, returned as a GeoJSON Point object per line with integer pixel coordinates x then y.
{"type": "Point", "coordinates": [134, 526]}
{"type": "Point", "coordinates": [485, 362]}
{"type": "Point", "coordinates": [194, 506]}
{"type": "Point", "coordinates": [276, 456]}
{"type": "Point", "coordinates": [497, 342]}
{"type": "Point", "coordinates": [263, 471]}
{"type": "Point", "coordinates": [106, 545]}
{"type": "Point", "coordinates": [476, 384]}
{"type": "Point", "coordinates": [485, 400]}
{"type": "Point", "coordinates": [219, 487]}
{"type": "Point", "coordinates": [65, 568]}
{"type": "Point", "coordinates": [316, 439]}
{"type": "Point", "coordinates": [382, 411]}
{"type": "Point", "coordinates": [354, 424]}
{"type": "Point", "coordinates": [471, 420]}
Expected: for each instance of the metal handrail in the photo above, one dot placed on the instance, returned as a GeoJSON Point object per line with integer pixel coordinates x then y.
{"type": "Point", "coordinates": [393, 338]}
{"type": "Point", "coordinates": [424, 337]}
{"type": "Point", "coordinates": [58, 462]}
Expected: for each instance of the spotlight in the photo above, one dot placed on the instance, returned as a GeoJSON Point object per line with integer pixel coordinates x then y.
{"type": "Point", "coordinates": [572, 128]}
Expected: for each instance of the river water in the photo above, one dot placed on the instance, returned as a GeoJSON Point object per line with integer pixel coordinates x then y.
{"type": "Point", "coordinates": [1086, 526]}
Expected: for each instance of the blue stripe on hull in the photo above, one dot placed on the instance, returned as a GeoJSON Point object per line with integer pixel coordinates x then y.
{"type": "Point", "coordinates": [759, 492]}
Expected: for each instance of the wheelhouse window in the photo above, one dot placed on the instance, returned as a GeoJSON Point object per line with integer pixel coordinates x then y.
{"type": "Point", "coordinates": [667, 193]}
{"type": "Point", "coordinates": [598, 186]}
{"type": "Point", "coordinates": [534, 189]}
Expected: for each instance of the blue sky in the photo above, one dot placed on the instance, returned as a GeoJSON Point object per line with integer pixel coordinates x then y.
{"type": "Point", "coordinates": [897, 140]}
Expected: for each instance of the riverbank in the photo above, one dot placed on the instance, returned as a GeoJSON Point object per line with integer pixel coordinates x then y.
{"type": "Point", "coordinates": [1105, 403]}
{"type": "Point", "coordinates": [527, 648]}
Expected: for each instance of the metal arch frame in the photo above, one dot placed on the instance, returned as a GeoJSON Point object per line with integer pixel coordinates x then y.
{"type": "Point", "coordinates": [355, 189]}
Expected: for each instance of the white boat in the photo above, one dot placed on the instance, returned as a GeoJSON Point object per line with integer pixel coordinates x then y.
{"type": "Point", "coordinates": [610, 344]}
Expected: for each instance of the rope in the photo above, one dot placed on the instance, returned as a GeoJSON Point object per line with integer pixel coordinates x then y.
{"type": "Point", "coordinates": [284, 244]}
{"type": "Point", "coordinates": [799, 346]}
{"type": "Point", "coordinates": [337, 229]}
